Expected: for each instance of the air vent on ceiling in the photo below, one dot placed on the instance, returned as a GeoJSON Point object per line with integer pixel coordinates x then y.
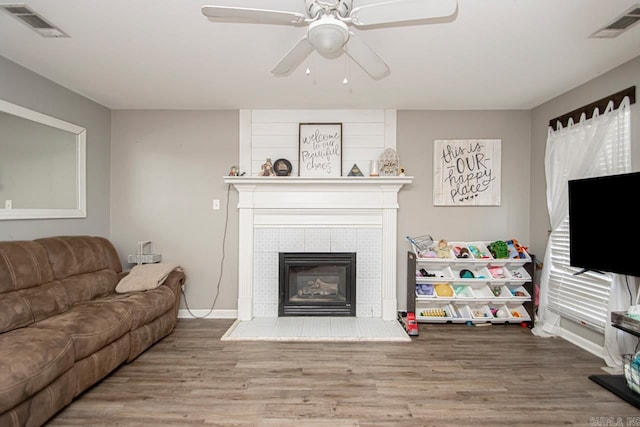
{"type": "Point", "coordinates": [37, 23]}
{"type": "Point", "coordinates": [619, 25]}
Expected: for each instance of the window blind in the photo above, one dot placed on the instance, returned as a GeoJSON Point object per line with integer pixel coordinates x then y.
{"type": "Point", "coordinates": [583, 298]}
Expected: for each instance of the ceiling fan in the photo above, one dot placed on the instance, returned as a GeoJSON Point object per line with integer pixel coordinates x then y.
{"type": "Point", "coordinates": [328, 24]}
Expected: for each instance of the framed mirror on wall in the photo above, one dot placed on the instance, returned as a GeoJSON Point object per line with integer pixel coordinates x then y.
{"type": "Point", "coordinates": [42, 165]}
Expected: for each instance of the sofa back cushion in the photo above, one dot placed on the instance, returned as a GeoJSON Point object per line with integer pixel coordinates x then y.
{"type": "Point", "coordinates": [88, 286]}
{"type": "Point", "coordinates": [86, 266]}
{"type": "Point", "coordinates": [44, 277]}
{"type": "Point", "coordinates": [24, 267]}
{"type": "Point", "coordinates": [23, 264]}
{"type": "Point", "coordinates": [72, 255]}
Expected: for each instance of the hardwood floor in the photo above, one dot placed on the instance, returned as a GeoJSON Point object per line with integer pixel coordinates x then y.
{"type": "Point", "coordinates": [451, 375]}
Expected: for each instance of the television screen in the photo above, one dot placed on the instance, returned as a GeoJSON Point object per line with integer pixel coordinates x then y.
{"type": "Point", "coordinates": [604, 223]}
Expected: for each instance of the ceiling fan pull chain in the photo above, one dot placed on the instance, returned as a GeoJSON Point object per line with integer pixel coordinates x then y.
{"type": "Point", "coordinates": [346, 67]}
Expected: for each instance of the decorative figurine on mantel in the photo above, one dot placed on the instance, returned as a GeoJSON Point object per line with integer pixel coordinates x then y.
{"type": "Point", "coordinates": [355, 171]}
{"type": "Point", "coordinates": [234, 171]}
{"type": "Point", "coordinates": [282, 167]}
{"type": "Point", "coordinates": [389, 163]}
{"type": "Point", "coordinates": [267, 168]}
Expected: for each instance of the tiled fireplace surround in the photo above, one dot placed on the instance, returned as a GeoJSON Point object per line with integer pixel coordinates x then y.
{"type": "Point", "coordinates": [299, 214]}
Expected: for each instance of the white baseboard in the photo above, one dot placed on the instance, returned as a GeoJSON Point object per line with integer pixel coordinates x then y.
{"type": "Point", "coordinates": [207, 314]}
{"type": "Point", "coordinates": [582, 342]}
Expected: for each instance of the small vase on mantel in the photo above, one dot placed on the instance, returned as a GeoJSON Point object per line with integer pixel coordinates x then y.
{"type": "Point", "coordinates": [374, 169]}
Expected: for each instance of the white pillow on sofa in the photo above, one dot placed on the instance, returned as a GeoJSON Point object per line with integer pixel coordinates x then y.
{"type": "Point", "coordinates": [145, 277]}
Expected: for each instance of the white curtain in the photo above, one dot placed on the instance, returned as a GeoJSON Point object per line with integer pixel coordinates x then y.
{"type": "Point", "coordinates": [595, 147]}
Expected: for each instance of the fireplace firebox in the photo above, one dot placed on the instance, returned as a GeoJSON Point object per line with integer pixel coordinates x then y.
{"type": "Point", "coordinates": [317, 284]}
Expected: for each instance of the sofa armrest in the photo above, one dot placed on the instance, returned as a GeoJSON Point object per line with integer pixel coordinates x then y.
{"type": "Point", "coordinates": [175, 278]}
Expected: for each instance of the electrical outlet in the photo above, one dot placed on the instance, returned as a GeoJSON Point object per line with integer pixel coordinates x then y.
{"type": "Point", "coordinates": [8, 204]}
{"type": "Point", "coordinates": [216, 204]}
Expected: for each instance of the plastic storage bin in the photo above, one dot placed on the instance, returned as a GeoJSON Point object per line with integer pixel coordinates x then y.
{"type": "Point", "coordinates": [424, 290]}
{"type": "Point", "coordinates": [519, 274]}
{"type": "Point", "coordinates": [463, 292]}
{"type": "Point", "coordinates": [500, 291]}
{"type": "Point", "coordinates": [518, 313]}
{"type": "Point", "coordinates": [444, 290]}
{"type": "Point", "coordinates": [480, 312]}
{"type": "Point", "coordinates": [479, 250]}
{"type": "Point", "coordinates": [519, 292]}
{"type": "Point", "coordinates": [460, 250]}
{"type": "Point", "coordinates": [470, 273]}
{"type": "Point", "coordinates": [500, 312]}
{"type": "Point", "coordinates": [436, 313]}
{"type": "Point", "coordinates": [435, 273]}
{"type": "Point", "coordinates": [499, 272]}
{"type": "Point", "coordinates": [483, 292]}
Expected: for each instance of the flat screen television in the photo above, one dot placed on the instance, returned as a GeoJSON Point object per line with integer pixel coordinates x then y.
{"type": "Point", "coordinates": [604, 224]}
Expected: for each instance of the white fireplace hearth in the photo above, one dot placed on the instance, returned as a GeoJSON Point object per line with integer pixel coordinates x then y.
{"type": "Point", "coordinates": [303, 214]}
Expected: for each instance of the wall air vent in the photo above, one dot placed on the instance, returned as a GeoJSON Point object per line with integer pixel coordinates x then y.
{"type": "Point", "coordinates": [37, 23]}
{"type": "Point", "coordinates": [619, 25]}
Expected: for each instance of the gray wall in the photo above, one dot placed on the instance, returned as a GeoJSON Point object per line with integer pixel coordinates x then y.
{"type": "Point", "coordinates": [27, 89]}
{"type": "Point", "coordinates": [166, 169]}
{"type": "Point", "coordinates": [416, 132]}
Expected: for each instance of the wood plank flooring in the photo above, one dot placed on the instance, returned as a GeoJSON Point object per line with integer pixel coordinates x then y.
{"type": "Point", "coordinates": [451, 375]}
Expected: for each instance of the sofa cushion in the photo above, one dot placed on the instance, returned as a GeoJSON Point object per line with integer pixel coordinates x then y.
{"type": "Point", "coordinates": [30, 359]}
{"type": "Point", "coordinates": [23, 264]}
{"type": "Point", "coordinates": [150, 333]}
{"type": "Point", "coordinates": [36, 410]}
{"type": "Point", "coordinates": [22, 308]}
{"type": "Point", "coordinates": [46, 300]}
{"type": "Point", "coordinates": [15, 312]}
{"type": "Point", "coordinates": [146, 306]}
{"type": "Point", "coordinates": [91, 325]}
{"type": "Point", "coordinates": [71, 255]}
{"type": "Point", "coordinates": [88, 286]}
{"type": "Point", "coordinates": [92, 369]}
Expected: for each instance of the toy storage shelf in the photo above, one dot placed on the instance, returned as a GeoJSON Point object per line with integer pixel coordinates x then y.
{"type": "Point", "coordinates": [496, 291]}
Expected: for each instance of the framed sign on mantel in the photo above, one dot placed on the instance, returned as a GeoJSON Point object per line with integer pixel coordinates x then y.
{"type": "Point", "coordinates": [466, 172]}
{"type": "Point", "coordinates": [320, 149]}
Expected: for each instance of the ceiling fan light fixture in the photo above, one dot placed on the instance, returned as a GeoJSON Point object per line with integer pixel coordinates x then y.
{"type": "Point", "coordinates": [327, 35]}
{"type": "Point", "coordinates": [328, 23]}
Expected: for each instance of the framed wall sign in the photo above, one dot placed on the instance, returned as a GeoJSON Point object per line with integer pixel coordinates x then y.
{"type": "Point", "coordinates": [466, 172]}
{"type": "Point", "coordinates": [320, 149]}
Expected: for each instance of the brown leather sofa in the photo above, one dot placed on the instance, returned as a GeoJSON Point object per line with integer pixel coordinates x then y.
{"type": "Point", "coordinates": [62, 325]}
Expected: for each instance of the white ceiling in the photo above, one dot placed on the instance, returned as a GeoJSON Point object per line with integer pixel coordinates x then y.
{"type": "Point", "coordinates": [164, 54]}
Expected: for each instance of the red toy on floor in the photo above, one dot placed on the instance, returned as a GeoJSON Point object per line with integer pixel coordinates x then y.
{"type": "Point", "coordinates": [411, 324]}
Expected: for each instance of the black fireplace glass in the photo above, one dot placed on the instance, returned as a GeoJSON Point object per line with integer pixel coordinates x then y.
{"type": "Point", "coordinates": [317, 284]}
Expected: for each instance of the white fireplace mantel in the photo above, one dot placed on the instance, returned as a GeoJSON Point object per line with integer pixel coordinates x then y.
{"type": "Point", "coordinates": [317, 202]}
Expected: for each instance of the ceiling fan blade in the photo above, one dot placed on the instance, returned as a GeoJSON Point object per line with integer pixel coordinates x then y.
{"type": "Point", "coordinates": [259, 16]}
{"type": "Point", "coordinates": [293, 58]}
{"type": "Point", "coordinates": [398, 11]}
{"type": "Point", "coordinates": [366, 58]}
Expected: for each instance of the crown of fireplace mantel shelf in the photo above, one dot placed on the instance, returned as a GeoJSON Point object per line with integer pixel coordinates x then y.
{"type": "Point", "coordinates": [319, 181]}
